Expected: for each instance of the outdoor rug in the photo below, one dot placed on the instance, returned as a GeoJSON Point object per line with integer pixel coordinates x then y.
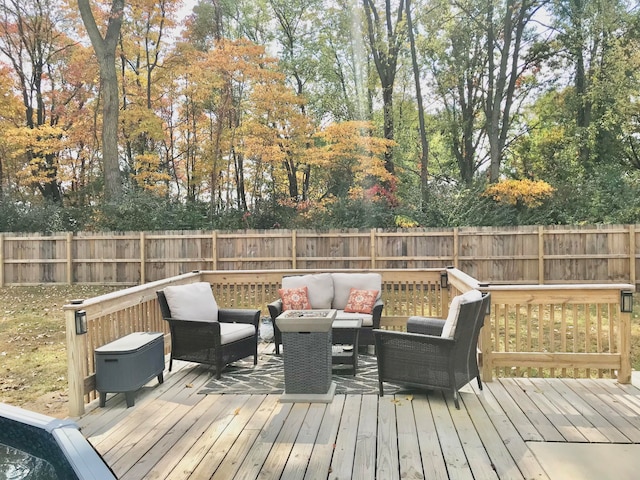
{"type": "Point", "coordinates": [268, 377]}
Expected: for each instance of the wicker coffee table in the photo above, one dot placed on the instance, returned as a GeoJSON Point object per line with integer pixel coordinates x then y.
{"type": "Point", "coordinates": [346, 332]}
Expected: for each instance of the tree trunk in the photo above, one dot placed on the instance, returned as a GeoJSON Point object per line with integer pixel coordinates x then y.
{"type": "Point", "coordinates": [424, 142]}
{"type": "Point", "coordinates": [105, 49]}
{"type": "Point", "coordinates": [385, 40]}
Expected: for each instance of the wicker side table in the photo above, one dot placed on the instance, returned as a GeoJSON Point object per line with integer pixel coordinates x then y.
{"type": "Point", "coordinates": [306, 338]}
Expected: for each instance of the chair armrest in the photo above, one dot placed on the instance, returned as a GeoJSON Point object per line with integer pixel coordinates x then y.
{"type": "Point", "coordinates": [425, 325]}
{"type": "Point", "coordinates": [213, 327]}
{"type": "Point", "coordinates": [239, 315]}
{"type": "Point", "coordinates": [413, 337]}
{"type": "Point", "coordinates": [275, 309]}
{"type": "Point", "coordinates": [376, 313]}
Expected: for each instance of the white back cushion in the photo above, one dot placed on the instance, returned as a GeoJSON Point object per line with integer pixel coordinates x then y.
{"type": "Point", "coordinates": [194, 301]}
{"type": "Point", "coordinates": [319, 288]}
{"type": "Point", "coordinates": [449, 327]}
{"type": "Point", "coordinates": [344, 282]}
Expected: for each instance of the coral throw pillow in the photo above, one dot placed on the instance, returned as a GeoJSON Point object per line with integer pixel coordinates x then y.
{"type": "Point", "coordinates": [361, 301]}
{"type": "Point", "coordinates": [294, 298]}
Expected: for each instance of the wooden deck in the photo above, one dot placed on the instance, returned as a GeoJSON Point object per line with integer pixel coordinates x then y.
{"type": "Point", "coordinates": [174, 432]}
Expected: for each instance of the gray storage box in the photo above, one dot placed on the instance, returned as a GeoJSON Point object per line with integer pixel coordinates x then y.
{"type": "Point", "coordinates": [128, 363]}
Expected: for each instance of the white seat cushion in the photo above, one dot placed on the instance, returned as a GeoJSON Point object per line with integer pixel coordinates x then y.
{"type": "Point", "coordinates": [449, 328]}
{"type": "Point", "coordinates": [194, 301]}
{"type": "Point", "coordinates": [344, 282]}
{"type": "Point", "coordinates": [319, 288]}
{"type": "Point", "coordinates": [231, 332]}
{"type": "Point", "coordinates": [367, 320]}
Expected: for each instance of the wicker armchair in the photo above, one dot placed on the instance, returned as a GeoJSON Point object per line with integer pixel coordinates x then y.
{"type": "Point", "coordinates": [210, 342]}
{"type": "Point", "coordinates": [430, 361]}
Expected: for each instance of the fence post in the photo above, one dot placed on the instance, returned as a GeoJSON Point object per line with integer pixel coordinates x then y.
{"type": "Point", "coordinates": [540, 255]}
{"type": "Point", "coordinates": [294, 250]}
{"type": "Point", "coordinates": [214, 250]}
{"type": "Point", "coordinates": [69, 258]}
{"type": "Point", "coordinates": [1, 259]}
{"type": "Point", "coordinates": [76, 345]}
{"type": "Point", "coordinates": [143, 256]}
{"type": "Point", "coordinates": [632, 255]}
{"type": "Point", "coordinates": [373, 248]}
{"type": "Point", "coordinates": [456, 247]}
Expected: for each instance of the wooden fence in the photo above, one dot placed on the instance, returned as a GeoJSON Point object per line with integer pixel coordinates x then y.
{"type": "Point", "coordinates": [497, 255]}
{"type": "Point", "coordinates": [534, 330]}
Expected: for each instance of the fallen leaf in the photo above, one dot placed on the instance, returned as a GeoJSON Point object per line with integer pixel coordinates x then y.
{"type": "Point", "coordinates": [236, 411]}
{"type": "Point", "coordinates": [189, 385]}
{"type": "Point", "coordinates": [409, 397]}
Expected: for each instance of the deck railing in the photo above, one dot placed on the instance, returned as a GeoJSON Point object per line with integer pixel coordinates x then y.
{"type": "Point", "coordinates": [561, 330]}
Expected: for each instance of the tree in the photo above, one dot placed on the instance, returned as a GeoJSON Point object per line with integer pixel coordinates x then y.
{"type": "Point", "coordinates": [105, 50]}
{"type": "Point", "coordinates": [30, 40]}
{"type": "Point", "coordinates": [424, 142]}
{"type": "Point", "coordinates": [506, 32]}
{"type": "Point", "coordinates": [142, 53]}
{"type": "Point", "coordinates": [385, 40]}
{"type": "Point", "coordinates": [455, 57]}
{"type": "Point", "coordinates": [597, 41]}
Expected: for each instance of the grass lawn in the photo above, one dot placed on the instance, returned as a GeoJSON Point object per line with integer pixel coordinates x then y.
{"type": "Point", "coordinates": [33, 355]}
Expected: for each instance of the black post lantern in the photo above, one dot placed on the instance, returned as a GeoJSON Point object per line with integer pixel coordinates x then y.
{"type": "Point", "coordinates": [81, 322]}
{"type": "Point", "coordinates": [444, 279]}
{"type": "Point", "coordinates": [626, 301]}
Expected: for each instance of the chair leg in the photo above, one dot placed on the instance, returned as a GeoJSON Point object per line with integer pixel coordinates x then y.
{"type": "Point", "coordinates": [455, 399]}
{"type": "Point", "coordinates": [170, 361]}
{"type": "Point", "coordinates": [381, 388]}
{"type": "Point", "coordinates": [479, 382]}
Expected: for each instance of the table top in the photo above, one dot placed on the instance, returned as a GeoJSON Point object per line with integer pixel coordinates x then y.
{"type": "Point", "coordinates": [347, 323]}
{"type": "Point", "coordinates": [291, 314]}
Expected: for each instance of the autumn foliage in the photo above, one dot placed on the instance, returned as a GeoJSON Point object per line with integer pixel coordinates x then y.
{"type": "Point", "coordinates": [213, 122]}
{"type": "Point", "coordinates": [530, 193]}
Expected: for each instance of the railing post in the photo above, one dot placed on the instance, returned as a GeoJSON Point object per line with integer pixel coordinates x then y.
{"type": "Point", "coordinates": [624, 343]}
{"type": "Point", "coordinates": [76, 345]}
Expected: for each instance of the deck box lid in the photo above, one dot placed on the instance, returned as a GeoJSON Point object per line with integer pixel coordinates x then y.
{"type": "Point", "coordinates": [130, 343]}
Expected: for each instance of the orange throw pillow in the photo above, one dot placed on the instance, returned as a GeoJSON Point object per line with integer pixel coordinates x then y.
{"type": "Point", "coordinates": [294, 298]}
{"type": "Point", "coordinates": [361, 301]}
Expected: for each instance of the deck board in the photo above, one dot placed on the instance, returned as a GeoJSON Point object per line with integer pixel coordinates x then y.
{"type": "Point", "coordinates": [407, 435]}
{"type": "Point", "coordinates": [301, 452]}
{"type": "Point", "coordinates": [320, 462]}
{"type": "Point", "coordinates": [387, 461]}
{"type": "Point", "coordinates": [430, 453]}
{"type": "Point", "coordinates": [364, 462]}
{"type": "Point", "coordinates": [173, 432]}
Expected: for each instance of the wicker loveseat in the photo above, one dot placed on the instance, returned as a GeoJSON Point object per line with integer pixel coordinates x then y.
{"type": "Point", "coordinates": [334, 290]}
